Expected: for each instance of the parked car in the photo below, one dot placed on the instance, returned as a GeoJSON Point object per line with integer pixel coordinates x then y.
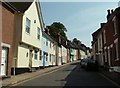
{"type": "Point", "coordinates": [91, 65]}
{"type": "Point", "coordinates": [83, 63]}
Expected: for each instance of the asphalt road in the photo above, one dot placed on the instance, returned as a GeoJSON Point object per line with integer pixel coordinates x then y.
{"type": "Point", "coordinates": [70, 76]}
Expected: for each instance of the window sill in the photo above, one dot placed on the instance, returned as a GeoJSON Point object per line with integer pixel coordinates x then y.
{"type": "Point", "coordinates": [27, 33]}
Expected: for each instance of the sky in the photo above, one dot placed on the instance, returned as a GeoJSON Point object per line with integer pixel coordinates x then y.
{"type": "Point", "coordinates": [81, 19]}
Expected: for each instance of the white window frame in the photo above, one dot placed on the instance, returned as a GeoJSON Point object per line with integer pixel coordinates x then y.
{"type": "Point", "coordinates": [115, 26]}
{"type": "Point", "coordinates": [38, 33]}
{"type": "Point", "coordinates": [116, 44]}
{"type": "Point", "coordinates": [35, 55]}
{"type": "Point", "coordinates": [104, 33]}
{"type": "Point", "coordinates": [40, 55]}
{"type": "Point", "coordinates": [27, 26]}
{"type": "Point", "coordinates": [105, 54]}
{"type": "Point", "coordinates": [109, 59]}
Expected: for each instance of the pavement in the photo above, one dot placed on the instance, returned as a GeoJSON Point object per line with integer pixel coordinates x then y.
{"type": "Point", "coordinates": [114, 76]}
{"type": "Point", "coordinates": [29, 75]}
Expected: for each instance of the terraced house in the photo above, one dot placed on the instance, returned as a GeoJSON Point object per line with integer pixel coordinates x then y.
{"type": "Point", "coordinates": [106, 41]}
{"type": "Point", "coordinates": [29, 38]}
{"type": "Point", "coordinates": [6, 38]}
{"type": "Point", "coordinates": [49, 50]}
{"type": "Point", "coordinates": [21, 36]}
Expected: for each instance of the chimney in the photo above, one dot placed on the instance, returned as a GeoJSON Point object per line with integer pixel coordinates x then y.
{"type": "Point", "coordinates": [102, 24]}
{"type": "Point", "coordinates": [108, 14]}
{"type": "Point", "coordinates": [112, 11]}
{"type": "Point", "coordinates": [47, 31]}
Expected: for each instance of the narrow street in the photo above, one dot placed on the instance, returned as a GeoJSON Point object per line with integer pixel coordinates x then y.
{"type": "Point", "coordinates": [70, 75]}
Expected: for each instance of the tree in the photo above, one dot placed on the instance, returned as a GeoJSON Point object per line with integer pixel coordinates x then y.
{"type": "Point", "coordinates": [56, 28]}
{"type": "Point", "coordinates": [75, 40]}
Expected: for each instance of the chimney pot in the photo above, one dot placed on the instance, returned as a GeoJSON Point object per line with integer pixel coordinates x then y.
{"type": "Point", "coordinates": [112, 11]}
{"type": "Point", "coordinates": [108, 14]}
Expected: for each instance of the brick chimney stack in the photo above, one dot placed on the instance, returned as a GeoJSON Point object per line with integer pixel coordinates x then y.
{"type": "Point", "coordinates": [108, 14]}
{"type": "Point", "coordinates": [102, 24]}
{"type": "Point", "coordinates": [112, 11]}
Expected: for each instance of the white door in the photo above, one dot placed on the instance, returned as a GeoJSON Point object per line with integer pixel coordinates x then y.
{"type": "Point", "coordinates": [3, 61]}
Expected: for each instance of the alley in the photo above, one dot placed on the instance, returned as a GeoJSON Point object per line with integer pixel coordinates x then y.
{"type": "Point", "coordinates": [70, 75]}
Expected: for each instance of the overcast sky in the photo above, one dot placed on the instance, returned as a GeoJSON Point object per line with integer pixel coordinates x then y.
{"type": "Point", "coordinates": [80, 18]}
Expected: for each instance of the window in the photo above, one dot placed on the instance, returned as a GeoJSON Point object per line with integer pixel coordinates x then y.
{"type": "Point", "coordinates": [35, 57]}
{"type": "Point", "coordinates": [38, 33]}
{"type": "Point", "coordinates": [50, 44]}
{"type": "Point", "coordinates": [100, 42]}
{"type": "Point", "coordinates": [104, 37]}
{"type": "Point", "coordinates": [50, 57]}
{"type": "Point", "coordinates": [28, 22]}
{"type": "Point", "coordinates": [116, 49]}
{"type": "Point", "coordinates": [105, 54]}
{"type": "Point", "coordinates": [115, 25]}
{"type": "Point", "coordinates": [46, 57]}
{"type": "Point", "coordinates": [40, 56]}
{"type": "Point", "coordinates": [109, 56]}
{"type": "Point", "coordinates": [46, 42]}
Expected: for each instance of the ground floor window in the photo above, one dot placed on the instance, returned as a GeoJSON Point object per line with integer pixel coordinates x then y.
{"type": "Point", "coordinates": [35, 55]}
{"type": "Point", "coordinates": [40, 55]}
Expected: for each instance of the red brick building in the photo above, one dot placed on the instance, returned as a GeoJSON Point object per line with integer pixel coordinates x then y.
{"type": "Point", "coordinates": [12, 13]}
{"type": "Point", "coordinates": [7, 39]}
{"type": "Point", "coordinates": [106, 41]}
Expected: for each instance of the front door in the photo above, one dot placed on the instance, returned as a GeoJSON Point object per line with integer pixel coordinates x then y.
{"type": "Point", "coordinates": [30, 59]}
{"type": "Point", "coordinates": [4, 61]}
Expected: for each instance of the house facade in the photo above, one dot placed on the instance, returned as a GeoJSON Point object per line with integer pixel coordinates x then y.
{"type": "Point", "coordinates": [52, 52]}
{"type": "Point", "coordinates": [106, 41]}
{"type": "Point", "coordinates": [28, 40]}
{"type": "Point", "coordinates": [6, 40]}
{"type": "Point", "coordinates": [59, 59]}
{"type": "Point", "coordinates": [49, 50]}
{"type": "Point", "coordinates": [64, 54]}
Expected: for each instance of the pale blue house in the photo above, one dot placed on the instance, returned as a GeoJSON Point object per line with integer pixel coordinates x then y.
{"type": "Point", "coordinates": [44, 59]}
{"type": "Point", "coordinates": [49, 50]}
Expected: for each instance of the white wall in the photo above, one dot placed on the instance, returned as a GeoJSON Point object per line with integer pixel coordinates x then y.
{"type": "Point", "coordinates": [64, 54]}
{"type": "Point", "coordinates": [31, 38]}
{"type": "Point", "coordinates": [83, 55]}
{"type": "Point", "coordinates": [23, 58]}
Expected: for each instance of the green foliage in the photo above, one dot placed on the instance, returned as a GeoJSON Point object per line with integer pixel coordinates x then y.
{"type": "Point", "coordinates": [56, 28]}
{"type": "Point", "coordinates": [75, 40]}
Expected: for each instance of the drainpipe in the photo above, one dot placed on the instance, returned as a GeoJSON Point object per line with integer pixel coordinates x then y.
{"type": "Point", "coordinates": [14, 65]}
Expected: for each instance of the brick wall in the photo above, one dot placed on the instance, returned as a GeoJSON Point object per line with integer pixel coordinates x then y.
{"type": "Point", "coordinates": [7, 34]}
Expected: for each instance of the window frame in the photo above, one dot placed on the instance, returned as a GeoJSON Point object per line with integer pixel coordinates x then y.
{"type": "Point", "coordinates": [38, 33]}
{"type": "Point", "coordinates": [27, 25]}
{"type": "Point", "coordinates": [35, 55]}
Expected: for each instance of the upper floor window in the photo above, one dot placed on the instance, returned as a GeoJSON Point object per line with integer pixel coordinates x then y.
{"type": "Point", "coordinates": [50, 45]}
{"type": "Point", "coordinates": [38, 33]}
{"type": "Point", "coordinates": [100, 42]}
{"type": "Point", "coordinates": [28, 22]}
{"type": "Point", "coordinates": [104, 33]}
{"type": "Point", "coordinates": [115, 25]}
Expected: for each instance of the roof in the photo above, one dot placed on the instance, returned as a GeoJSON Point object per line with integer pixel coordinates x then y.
{"type": "Point", "coordinates": [48, 37]}
{"type": "Point", "coordinates": [18, 6]}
